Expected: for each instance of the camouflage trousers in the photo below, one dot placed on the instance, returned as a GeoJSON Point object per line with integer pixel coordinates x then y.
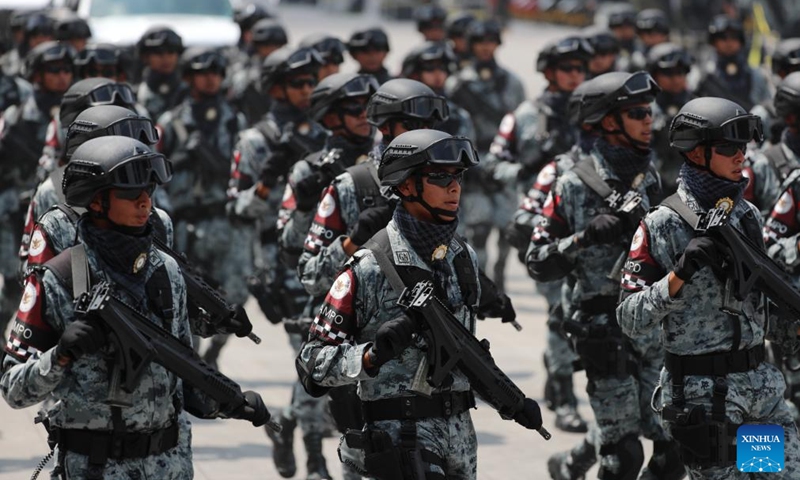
{"type": "Point", "coordinates": [10, 289]}
{"type": "Point", "coordinates": [755, 396]}
{"type": "Point", "coordinates": [174, 464]}
{"type": "Point", "coordinates": [559, 355]}
{"type": "Point", "coordinates": [483, 212]}
{"type": "Point", "coordinates": [312, 414]}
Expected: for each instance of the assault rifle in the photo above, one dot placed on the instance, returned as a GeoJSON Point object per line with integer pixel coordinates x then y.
{"type": "Point", "coordinates": [219, 313]}
{"type": "Point", "coordinates": [451, 345]}
{"type": "Point", "coordinates": [138, 341]}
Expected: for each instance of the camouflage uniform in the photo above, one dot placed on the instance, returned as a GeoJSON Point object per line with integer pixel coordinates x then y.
{"type": "Point", "coordinates": [747, 86]}
{"type": "Point", "coordinates": [487, 94]}
{"type": "Point", "coordinates": [692, 323]}
{"type": "Point", "coordinates": [363, 298]}
{"type": "Point", "coordinates": [31, 375]}
{"type": "Point", "coordinates": [245, 90]}
{"type": "Point", "coordinates": [669, 164]}
{"type": "Point", "coordinates": [13, 91]}
{"type": "Point", "coordinates": [159, 94]}
{"type": "Point", "coordinates": [620, 401]}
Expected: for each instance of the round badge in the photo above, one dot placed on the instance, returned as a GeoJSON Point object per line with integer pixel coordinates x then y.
{"type": "Point", "coordinates": [341, 286]}
{"type": "Point", "coordinates": [326, 206]}
{"type": "Point", "coordinates": [784, 203]}
{"type": "Point", "coordinates": [547, 175]}
{"type": "Point", "coordinates": [139, 263]}
{"type": "Point", "coordinates": [28, 298]}
{"type": "Point", "coordinates": [303, 128]}
{"type": "Point", "coordinates": [163, 89]}
{"type": "Point", "coordinates": [725, 203]}
{"type": "Point", "coordinates": [638, 239]}
{"type": "Point", "coordinates": [38, 243]}
{"type": "Point", "coordinates": [439, 253]}
{"type": "Point", "coordinates": [211, 114]}
{"type": "Point", "coordinates": [731, 69]}
{"type": "Point", "coordinates": [485, 73]}
{"type": "Point", "coordinates": [672, 110]}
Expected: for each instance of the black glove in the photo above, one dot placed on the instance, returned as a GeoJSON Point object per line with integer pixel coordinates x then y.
{"type": "Point", "coordinates": [80, 338]}
{"type": "Point", "coordinates": [253, 409]}
{"type": "Point", "coordinates": [308, 190]}
{"type": "Point", "coordinates": [530, 416]}
{"type": "Point", "coordinates": [519, 236]}
{"type": "Point", "coordinates": [700, 251]}
{"type": "Point", "coordinates": [500, 308]}
{"type": "Point", "coordinates": [370, 222]}
{"type": "Point", "coordinates": [602, 229]}
{"type": "Point", "coordinates": [240, 323]}
{"type": "Point", "coordinates": [391, 339]}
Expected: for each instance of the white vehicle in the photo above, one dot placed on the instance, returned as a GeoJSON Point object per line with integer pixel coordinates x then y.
{"type": "Point", "coordinates": [207, 23]}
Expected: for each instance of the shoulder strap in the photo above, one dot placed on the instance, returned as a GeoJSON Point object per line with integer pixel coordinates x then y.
{"type": "Point", "coordinates": [793, 176]}
{"type": "Point", "coordinates": [379, 244]}
{"type": "Point", "coordinates": [159, 293]}
{"type": "Point", "coordinates": [674, 203]}
{"type": "Point", "coordinates": [585, 170]}
{"type": "Point", "coordinates": [71, 267]}
{"type": "Point", "coordinates": [268, 129]}
{"type": "Point", "coordinates": [465, 272]}
{"type": "Point", "coordinates": [71, 214]}
{"type": "Point", "coordinates": [367, 185]}
{"type": "Point", "coordinates": [778, 161]}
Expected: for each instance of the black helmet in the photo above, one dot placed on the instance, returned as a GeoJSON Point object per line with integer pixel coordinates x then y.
{"type": "Point", "coordinates": [248, 16]}
{"type": "Point", "coordinates": [202, 59]}
{"type": "Point", "coordinates": [575, 103]}
{"type": "Point", "coordinates": [668, 56]}
{"type": "Point", "coordinates": [484, 30]}
{"type": "Point", "coordinates": [570, 48]}
{"type": "Point", "coordinates": [269, 31]}
{"type": "Point", "coordinates": [406, 99]}
{"type": "Point", "coordinates": [91, 92]}
{"type": "Point", "coordinates": [70, 27]}
{"type": "Point", "coordinates": [429, 16]}
{"type": "Point", "coordinates": [428, 52]}
{"type": "Point", "coordinates": [619, 18]}
{"type": "Point", "coordinates": [288, 61]}
{"type": "Point", "coordinates": [721, 24]}
{"type": "Point", "coordinates": [18, 19]}
{"type": "Point", "coordinates": [160, 38]}
{"type": "Point", "coordinates": [787, 95]}
{"type": "Point", "coordinates": [709, 120]}
{"type": "Point", "coordinates": [90, 61]}
{"type": "Point", "coordinates": [602, 40]}
{"type": "Point", "coordinates": [47, 52]}
{"type": "Point", "coordinates": [786, 57]}
{"type": "Point", "coordinates": [370, 39]}
{"type": "Point", "coordinates": [112, 162]}
{"type": "Point", "coordinates": [652, 20]}
{"type": "Point", "coordinates": [413, 150]}
{"type": "Point", "coordinates": [337, 87]}
{"type": "Point", "coordinates": [330, 48]}
{"type": "Point", "coordinates": [609, 92]}
{"type": "Point", "coordinates": [456, 25]}
{"type": "Point", "coordinates": [107, 120]}
{"type": "Point", "coordinates": [38, 23]}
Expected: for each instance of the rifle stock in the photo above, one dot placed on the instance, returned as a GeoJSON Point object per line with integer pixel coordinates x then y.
{"type": "Point", "coordinates": [451, 345]}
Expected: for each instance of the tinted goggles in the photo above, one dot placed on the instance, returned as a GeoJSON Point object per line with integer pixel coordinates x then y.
{"type": "Point", "coordinates": [730, 149]}
{"type": "Point", "coordinates": [142, 171]}
{"type": "Point", "coordinates": [417, 107]}
{"type": "Point", "coordinates": [639, 83]}
{"type": "Point", "coordinates": [679, 59]}
{"type": "Point", "coordinates": [454, 151]}
{"type": "Point", "coordinates": [303, 57]}
{"type": "Point", "coordinates": [300, 82]}
{"type": "Point", "coordinates": [109, 93]}
{"type": "Point", "coordinates": [163, 41]}
{"type": "Point", "coordinates": [742, 129]}
{"type": "Point", "coordinates": [207, 61]}
{"type": "Point", "coordinates": [444, 179]}
{"type": "Point", "coordinates": [57, 52]}
{"type": "Point", "coordinates": [352, 108]}
{"type": "Point", "coordinates": [140, 129]}
{"type": "Point", "coordinates": [372, 40]}
{"type": "Point", "coordinates": [99, 56]}
{"type": "Point", "coordinates": [134, 193]}
{"type": "Point", "coordinates": [573, 45]}
{"type": "Point", "coordinates": [360, 86]}
{"type": "Point", "coordinates": [331, 50]}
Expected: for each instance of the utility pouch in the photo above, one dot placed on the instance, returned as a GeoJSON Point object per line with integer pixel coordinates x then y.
{"type": "Point", "coordinates": [703, 443]}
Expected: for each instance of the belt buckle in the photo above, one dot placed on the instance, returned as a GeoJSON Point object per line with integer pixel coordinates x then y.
{"type": "Point", "coordinates": [448, 403]}
{"type": "Point", "coordinates": [407, 407]}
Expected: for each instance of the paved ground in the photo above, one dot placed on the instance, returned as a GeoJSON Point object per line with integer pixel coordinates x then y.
{"type": "Point", "coordinates": [235, 450]}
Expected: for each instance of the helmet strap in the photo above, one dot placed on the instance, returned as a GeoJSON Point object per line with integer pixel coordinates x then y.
{"type": "Point", "coordinates": [638, 145]}
{"type": "Point", "coordinates": [439, 214]}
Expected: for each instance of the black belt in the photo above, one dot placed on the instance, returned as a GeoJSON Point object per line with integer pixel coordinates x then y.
{"type": "Point", "coordinates": [715, 364]}
{"type": "Point", "coordinates": [119, 447]}
{"type": "Point", "coordinates": [412, 408]}
{"type": "Point", "coordinates": [598, 305]}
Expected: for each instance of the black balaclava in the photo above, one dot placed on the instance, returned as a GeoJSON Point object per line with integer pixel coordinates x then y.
{"type": "Point", "coordinates": [626, 162]}
{"type": "Point", "coordinates": [162, 83]}
{"type": "Point", "coordinates": [351, 150]}
{"type": "Point", "coordinates": [671, 103]}
{"type": "Point", "coordinates": [46, 100]}
{"type": "Point", "coordinates": [739, 80]}
{"type": "Point", "coordinates": [206, 112]}
{"type": "Point", "coordinates": [709, 188]}
{"type": "Point", "coordinates": [791, 140]}
{"type": "Point", "coordinates": [284, 111]}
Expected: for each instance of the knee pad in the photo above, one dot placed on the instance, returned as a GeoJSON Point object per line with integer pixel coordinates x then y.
{"type": "Point", "coordinates": [629, 453]}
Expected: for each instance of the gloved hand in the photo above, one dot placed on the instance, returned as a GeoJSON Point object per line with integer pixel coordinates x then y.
{"type": "Point", "coordinates": [530, 416]}
{"type": "Point", "coordinates": [308, 190]}
{"type": "Point", "coordinates": [80, 338]}
{"type": "Point", "coordinates": [602, 229]}
{"type": "Point", "coordinates": [253, 409]}
{"type": "Point", "coordinates": [700, 251]}
{"type": "Point", "coordinates": [500, 308]}
{"type": "Point", "coordinates": [240, 323]}
{"type": "Point", "coordinates": [391, 339]}
{"type": "Point", "coordinates": [370, 222]}
{"type": "Point", "coordinates": [519, 237]}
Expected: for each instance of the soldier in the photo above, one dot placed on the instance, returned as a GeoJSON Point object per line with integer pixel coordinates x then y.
{"type": "Point", "coordinates": [199, 135]}
{"type": "Point", "coordinates": [622, 23]}
{"type": "Point", "coordinates": [652, 27]}
{"type": "Point", "coordinates": [72, 30]}
{"type": "Point", "coordinates": [246, 17]}
{"type": "Point", "coordinates": [456, 27]}
{"type": "Point", "coordinates": [100, 60]}
{"type": "Point", "coordinates": [583, 235]}
{"type": "Point", "coordinates": [38, 29]}
{"type": "Point", "coordinates": [488, 92]}
{"type": "Point", "coordinates": [266, 37]}
{"type": "Point", "coordinates": [431, 64]}
{"type": "Point", "coordinates": [263, 156]}
{"type": "Point", "coordinates": [24, 127]}
{"type": "Point", "coordinates": [528, 139]}
{"type": "Point", "coordinates": [669, 64]}
{"type": "Point", "coordinates": [369, 48]}
{"type": "Point", "coordinates": [430, 22]}
{"type": "Point", "coordinates": [728, 75]}
{"type": "Point", "coordinates": [714, 377]}
{"type": "Point", "coordinates": [331, 51]}
{"type": "Point", "coordinates": [785, 60]}
{"type": "Point", "coordinates": [339, 103]}
{"type": "Point", "coordinates": [606, 51]}
{"type": "Point", "coordinates": [67, 357]}
{"type": "Point", "coordinates": [161, 88]}
{"type": "Point", "coordinates": [373, 344]}
{"type": "Point", "coordinates": [14, 90]}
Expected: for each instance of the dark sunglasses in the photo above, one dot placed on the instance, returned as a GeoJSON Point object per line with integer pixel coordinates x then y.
{"type": "Point", "coordinates": [57, 68]}
{"type": "Point", "coordinates": [639, 113]}
{"type": "Point", "coordinates": [432, 67]}
{"type": "Point", "coordinates": [567, 68]}
{"type": "Point", "coordinates": [730, 149]}
{"type": "Point", "coordinates": [444, 179]}
{"type": "Point", "coordinates": [673, 72]}
{"type": "Point", "coordinates": [105, 72]}
{"type": "Point", "coordinates": [134, 193]}
{"type": "Point", "coordinates": [353, 109]}
{"type": "Point", "coordinates": [301, 82]}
